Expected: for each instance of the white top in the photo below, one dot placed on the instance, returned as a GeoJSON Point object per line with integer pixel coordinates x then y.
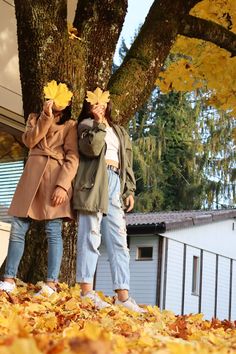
{"type": "Point", "coordinates": [113, 144]}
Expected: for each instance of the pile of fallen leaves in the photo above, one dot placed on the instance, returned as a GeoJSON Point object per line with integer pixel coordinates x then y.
{"type": "Point", "coordinates": [63, 324]}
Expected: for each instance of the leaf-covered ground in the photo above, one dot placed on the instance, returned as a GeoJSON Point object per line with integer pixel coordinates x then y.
{"type": "Point", "coordinates": [65, 325]}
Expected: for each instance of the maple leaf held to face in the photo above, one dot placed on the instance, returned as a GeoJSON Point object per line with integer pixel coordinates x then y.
{"type": "Point", "coordinates": [59, 93]}
{"type": "Point", "coordinates": [98, 96]}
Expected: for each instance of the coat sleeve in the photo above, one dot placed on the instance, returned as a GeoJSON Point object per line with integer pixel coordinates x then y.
{"type": "Point", "coordinates": [91, 137]}
{"type": "Point", "coordinates": [71, 160]}
{"type": "Point", "coordinates": [130, 183]}
{"type": "Point", "coordinates": [36, 129]}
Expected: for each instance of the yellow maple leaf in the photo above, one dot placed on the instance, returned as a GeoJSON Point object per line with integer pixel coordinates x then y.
{"type": "Point", "coordinates": [98, 96]}
{"type": "Point", "coordinates": [59, 93]}
{"type": "Point", "coordinates": [21, 346]}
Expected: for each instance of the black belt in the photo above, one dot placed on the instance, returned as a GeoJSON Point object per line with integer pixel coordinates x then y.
{"type": "Point", "coordinates": [114, 169]}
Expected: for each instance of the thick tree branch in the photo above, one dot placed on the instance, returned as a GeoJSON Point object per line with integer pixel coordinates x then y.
{"type": "Point", "coordinates": [133, 82]}
{"type": "Point", "coordinates": [99, 24]}
{"type": "Point", "coordinates": [195, 27]}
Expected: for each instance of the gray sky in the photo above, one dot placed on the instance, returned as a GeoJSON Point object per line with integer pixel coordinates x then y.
{"type": "Point", "coordinates": [137, 11]}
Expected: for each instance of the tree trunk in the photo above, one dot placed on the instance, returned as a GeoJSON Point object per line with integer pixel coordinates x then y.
{"type": "Point", "coordinates": [99, 24]}
{"type": "Point", "coordinates": [49, 54]}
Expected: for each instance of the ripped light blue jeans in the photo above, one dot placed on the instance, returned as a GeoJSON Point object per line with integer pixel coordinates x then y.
{"type": "Point", "coordinates": [112, 228]}
{"type": "Point", "coordinates": [19, 227]}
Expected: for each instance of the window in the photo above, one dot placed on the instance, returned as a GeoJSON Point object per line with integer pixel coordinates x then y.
{"type": "Point", "coordinates": [144, 253]}
{"type": "Point", "coordinates": [195, 275]}
{"type": "Point", "coordinates": [12, 154]}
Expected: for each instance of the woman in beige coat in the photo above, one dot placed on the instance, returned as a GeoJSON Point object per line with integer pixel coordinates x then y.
{"type": "Point", "coordinates": [45, 189]}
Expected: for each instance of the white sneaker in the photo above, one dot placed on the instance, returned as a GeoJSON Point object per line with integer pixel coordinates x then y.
{"type": "Point", "coordinates": [7, 286]}
{"type": "Point", "coordinates": [95, 298]}
{"type": "Point", "coordinates": [45, 291]}
{"type": "Point", "coordinates": [130, 304]}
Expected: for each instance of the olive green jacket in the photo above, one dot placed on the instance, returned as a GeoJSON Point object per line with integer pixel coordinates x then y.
{"type": "Point", "coordinates": [91, 182]}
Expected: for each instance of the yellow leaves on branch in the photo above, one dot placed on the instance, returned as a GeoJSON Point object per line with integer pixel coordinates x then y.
{"type": "Point", "coordinates": [222, 12]}
{"type": "Point", "coordinates": [59, 93]}
{"type": "Point", "coordinates": [63, 324]}
{"type": "Point", "coordinates": [203, 64]}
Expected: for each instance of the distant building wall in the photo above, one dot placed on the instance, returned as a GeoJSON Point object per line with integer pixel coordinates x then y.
{"type": "Point", "coordinates": [218, 237]}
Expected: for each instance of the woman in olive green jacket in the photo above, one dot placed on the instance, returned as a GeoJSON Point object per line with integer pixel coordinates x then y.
{"type": "Point", "coordinates": [104, 186]}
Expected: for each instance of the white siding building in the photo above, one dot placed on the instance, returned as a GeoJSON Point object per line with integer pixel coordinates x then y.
{"type": "Point", "coordinates": [181, 261]}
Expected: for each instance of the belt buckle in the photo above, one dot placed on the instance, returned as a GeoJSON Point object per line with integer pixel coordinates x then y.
{"type": "Point", "coordinates": [113, 168]}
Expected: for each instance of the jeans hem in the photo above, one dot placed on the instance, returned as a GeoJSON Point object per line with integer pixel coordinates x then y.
{"type": "Point", "coordinates": [120, 286]}
{"type": "Point", "coordinates": [52, 280]}
{"type": "Point", "coordinates": [9, 276]}
{"type": "Point", "coordinates": [84, 280]}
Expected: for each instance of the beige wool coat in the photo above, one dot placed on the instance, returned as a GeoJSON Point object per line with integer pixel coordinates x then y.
{"type": "Point", "coordinates": [53, 161]}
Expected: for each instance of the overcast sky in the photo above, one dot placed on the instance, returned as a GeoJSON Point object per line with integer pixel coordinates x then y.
{"type": "Point", "coordinates": [137, 11]}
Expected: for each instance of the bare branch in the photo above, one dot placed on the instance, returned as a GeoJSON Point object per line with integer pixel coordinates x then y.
{"type": "Point", "coordinates": [195, 27]}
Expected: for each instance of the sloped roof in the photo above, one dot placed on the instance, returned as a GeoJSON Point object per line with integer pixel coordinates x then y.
{"type": "Point", "coordinates": [160, 222]}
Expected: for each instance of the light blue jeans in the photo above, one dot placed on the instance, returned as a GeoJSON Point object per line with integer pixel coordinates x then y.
{"type": "Point", "coordinates": [19, 227]}
{"type": "Point", "coordinates": [112, 227]}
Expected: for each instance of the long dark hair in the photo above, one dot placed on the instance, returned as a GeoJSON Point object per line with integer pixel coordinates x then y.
{"type": "Point", "coordinates": [66, 115]}
{"type": "Point", "coordinates": [86, 112]}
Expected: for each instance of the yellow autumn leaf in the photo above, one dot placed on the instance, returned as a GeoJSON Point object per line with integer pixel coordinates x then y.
{"type": "Point", "coordinates": [71, 304]}
{"type": "Point", "coordinates": [64, 324]}
{"type": "Point", "coordinates": [98, 96]}
{"type": "Point", "coordinates": [21, 346]}
{"type": "Point", "coordinates": [59, 93]}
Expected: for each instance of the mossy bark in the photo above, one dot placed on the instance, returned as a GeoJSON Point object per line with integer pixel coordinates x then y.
{"type": "Point", "coordinates": [99, 24]}
{"type": "Point", "coordinates": [133, 82]}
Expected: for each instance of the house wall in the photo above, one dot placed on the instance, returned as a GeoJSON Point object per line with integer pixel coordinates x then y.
{"type": "Point", "coordinates": [233, 301]}
{"type": "Point", "coordinates": [174, 276]}
{"type": "Point", "coordinates": [143, 272]}
{"type": "Point", "coordinates": [191, 302]}
{"type": "Point", "coordinates": [10, 87]}
{"type": "Point", "coordinates": [143, 280]}
{"type": "Point", "coordinates": [208, 284]}
{"type": "Point", "coordinates": [217, 237]}
{"type": "Point", "coordinates": [222, 311]}
{"type": "Point", "coordinates": [4, 239]}
{"type": "Point", "coordinates": [217, 275]}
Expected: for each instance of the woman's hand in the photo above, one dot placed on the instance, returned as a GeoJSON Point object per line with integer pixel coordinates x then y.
{"type": "Point", "coordinates": [59, 196]}
{"type": "Point", "coordinates": [129, 202]}
{"type": "Point", "coordinates": [47, 108]}
{"type": "Point", "coordinates": [98, 112]}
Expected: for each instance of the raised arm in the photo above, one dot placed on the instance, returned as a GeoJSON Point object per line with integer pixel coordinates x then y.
{"type": "Point", "coordinates": [37, 127]}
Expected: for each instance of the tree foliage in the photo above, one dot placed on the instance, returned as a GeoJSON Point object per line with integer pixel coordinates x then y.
{"type": "Point", "coordinates": [183, 154]}
{"type": "Point", "coordinates": [204, 64]}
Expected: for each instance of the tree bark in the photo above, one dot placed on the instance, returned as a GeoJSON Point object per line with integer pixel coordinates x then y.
{"type": "Point", "coordinates": [133, 82]}
{"type": "Point", "coordinates": [99, 24]}
{"type": "Point", "coordinates": [45, 50]}
{"type": "Point", "coordinates": [199, 28]}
